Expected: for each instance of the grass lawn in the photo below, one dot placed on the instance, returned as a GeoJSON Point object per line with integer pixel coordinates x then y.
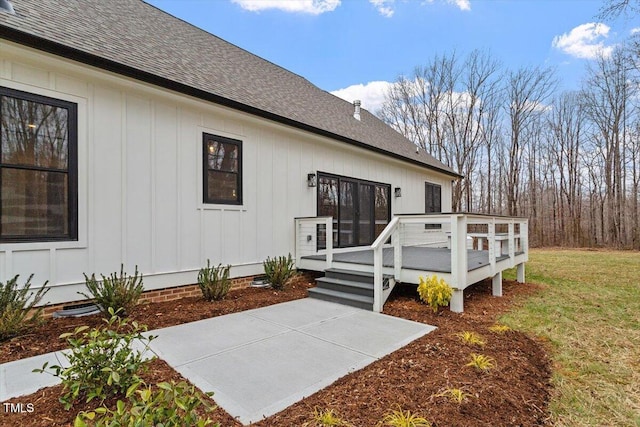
{"type": "Point", "coordinates": [590, 315]}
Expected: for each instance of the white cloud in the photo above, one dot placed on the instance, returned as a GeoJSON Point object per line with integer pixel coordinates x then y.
{"type": "Point", "coordinates": [313, 7]}
{"type": "Point", "coordinates": [371, 94]}
{"type": "Point", "coordinates": [461, 4]}
{"type": "Point", "coordinates": [635, 30]}
{"type": "Point", "coordinates": [385, 7]}
{"type": "Point", "coordinates": [584, 41]}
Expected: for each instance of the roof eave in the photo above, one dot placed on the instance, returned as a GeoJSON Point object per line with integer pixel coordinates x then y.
{"type": "Point", "coordinates": [49, 46]}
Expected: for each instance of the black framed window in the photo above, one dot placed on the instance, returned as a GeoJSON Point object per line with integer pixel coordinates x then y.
{"type": "Point", "coordinates": [222, 174]}
{"type": "Point", "coordinates": [38, 168]}
{"type": "Point", "coordinates": [432, 202]}
{"type": "Point", "coordinates": [360, 209]}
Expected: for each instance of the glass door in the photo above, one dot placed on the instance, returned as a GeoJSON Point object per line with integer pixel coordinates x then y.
{"type": "Point", "coordinates": [348, 223]}
{"type": "Point", "coordinates": [365, 215]}
{"type": "Point", "coordinates": [327, 206]}
{"type": "Point", "coordinates": [360, 209]}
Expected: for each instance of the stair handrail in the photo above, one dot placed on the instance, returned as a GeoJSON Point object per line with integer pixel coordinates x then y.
{"type": "Point", "coordinates": [377, 247]}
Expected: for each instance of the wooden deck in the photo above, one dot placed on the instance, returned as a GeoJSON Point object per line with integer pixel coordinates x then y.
{"type": "Point", "coordinates": [437, 260]}
{"type": "Point", "coordinates": [460, 248]}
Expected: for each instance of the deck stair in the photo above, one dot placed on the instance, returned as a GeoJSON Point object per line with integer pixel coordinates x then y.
{"type": "Point", "coordinates": [348, 287]}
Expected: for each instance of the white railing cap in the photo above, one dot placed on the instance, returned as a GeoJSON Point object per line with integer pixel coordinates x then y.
{"type": "Point", "coordinates": [386, 233]}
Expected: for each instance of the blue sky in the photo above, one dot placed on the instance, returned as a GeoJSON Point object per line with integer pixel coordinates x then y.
{"type": "Point", "coordinates": [354, 48]}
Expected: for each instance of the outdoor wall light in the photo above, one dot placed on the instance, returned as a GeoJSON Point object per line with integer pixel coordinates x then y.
{"type": "Point", "coordinates": [311, 179]}
{"type": "Point", "coordinates": [397, 192]}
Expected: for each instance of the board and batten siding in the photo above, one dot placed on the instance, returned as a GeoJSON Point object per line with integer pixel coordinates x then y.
{"type": "Point", "coordinates": [140, 181]}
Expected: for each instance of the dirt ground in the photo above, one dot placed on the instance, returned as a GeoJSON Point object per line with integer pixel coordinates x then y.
{"type": "Point", "coordinates": [514, 393]}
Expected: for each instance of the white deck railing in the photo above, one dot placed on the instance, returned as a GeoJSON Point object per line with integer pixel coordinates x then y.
{"type": "Point", "coordinates": [459, 232]}
{"type": "Point", "coordinates": [308, 237]}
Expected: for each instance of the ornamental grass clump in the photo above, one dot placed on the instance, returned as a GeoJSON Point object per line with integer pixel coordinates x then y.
{"type": "Point", "coordinates": [167, 405]}
{"type": "Point", "coordinates": [325, 417]}
{"type": "Point", "coordinates": [472, 338]}
{"type": "Point", "coordinates": [499, 329]}
{"type": "Point", "coordinates": [17, 312]}
{"type": "Point", "coordinates": [214, 282]}
{"type": "Point", "coordinates": [399, 418]}
{"type": "Point", "coordinates": [481, 362]}
{"type": "Point", "coordinates": [455, 395]}
{"type": "Point", "coordinates": [101, 361]}
{"type": "Point", "coordinates": [119, 292]}
{"type": "Point", "coordinates": [435, 292]}
{"type": "Point", "coordinates": [279, 271]}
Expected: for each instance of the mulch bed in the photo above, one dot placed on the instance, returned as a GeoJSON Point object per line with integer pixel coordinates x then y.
{"type": "Point", "coordinates": [515, 393]}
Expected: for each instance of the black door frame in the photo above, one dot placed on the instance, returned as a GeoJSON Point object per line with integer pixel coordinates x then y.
{"type": "Point", "coordinates": [356, 200]}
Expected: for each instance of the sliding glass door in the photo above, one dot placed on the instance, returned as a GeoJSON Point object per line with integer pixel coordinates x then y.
{"type": "Point", "coordinates": [360, 209]}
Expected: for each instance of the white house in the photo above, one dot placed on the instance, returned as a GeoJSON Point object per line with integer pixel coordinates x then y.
{"type": "Point", "coordinates": [130, 136]}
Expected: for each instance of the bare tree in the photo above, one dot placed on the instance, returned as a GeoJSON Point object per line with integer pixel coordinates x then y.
{"type": "Point", "coordinates": [607, 97]}
{"type": "Point", "coordinates": [569, 162]}
{"type": "Point", "coordinates": [634, 144]}
{"type": "Point", "coordinates": [611, 9]}
{"type": "Point", "coordinates": [528, 89]}
{"type": "Point", "coordinates": [566, 122]}
{"type": "Point", "coordinates": [442, 109]}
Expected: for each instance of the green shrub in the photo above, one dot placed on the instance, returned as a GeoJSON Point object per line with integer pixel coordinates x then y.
{"type": "Point", "coordinates": [436, 293]}
{"type": "Point", "coordinates": [102, 362]}
{"type": "Point", "coordinates": [169, 405]}
{"type": "Point", "coordinates": [118, 292]}
{"type": "Point", "coordinates": [328, 417]}
{"type": "Point", "coordinates": [214, 282]}
{"type": "Point", "coordinates": [17, 313]}
{"type": "Point", "coordinates": [399, 418]}
{"type": "Point", "coordinates": [279, 270]}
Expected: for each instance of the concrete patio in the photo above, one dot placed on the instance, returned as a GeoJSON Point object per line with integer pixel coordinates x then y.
{"type": "Point", "coordinates": [259, 362]}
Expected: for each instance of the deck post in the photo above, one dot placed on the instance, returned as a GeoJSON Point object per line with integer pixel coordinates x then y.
{"type": "Point", "coordinates": [329, 240]}
{"type": "Point", "coordinates": [397, 253]}
{"type": "Point", "coordinates": [491, 240]}
{"type": "Point", "coordinates": [457, 301]}
{"type": "Point", "coordinates": [512, 243]}
{"type": "Point", "coordinates": [520, 273]}
{"type": "Point", "coordinates": [297, 226]}
{"type": "Point", "coordinates": [459, 265]}
{"type": "Point", "coordinates": [377, 279]}
{"type": "Point", "coordinates": [524, 238]}
{"type": "Point", "coordinates": [496, 284]}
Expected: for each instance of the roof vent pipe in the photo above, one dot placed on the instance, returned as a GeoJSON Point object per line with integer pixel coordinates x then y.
{"type": "Point", "coordinates": [356, 110]}
{"type": "Point", "coordinates": [5, 6]}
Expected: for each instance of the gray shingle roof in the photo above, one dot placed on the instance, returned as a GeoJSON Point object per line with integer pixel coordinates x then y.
{"type": "Point", "coordinates": [134, 38]}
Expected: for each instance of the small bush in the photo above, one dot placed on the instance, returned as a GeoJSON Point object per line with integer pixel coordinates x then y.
{"type": "Point", "coordinates": [214, 282]}
{"type": "Point", "coordinates": [15, 307]}
{"type": "Point", "coordinates": [481, 362]}
{"type": "Point", "coordinates": [328, 417]}
{"type": "Point", "coordinates": [169, 405]}
{"type": "Point", "coordinates": [436, 293]}
{"type": "Point", "coordinates": [472, 338]}
{"type": "Point", "coordinates": [279, 270]}
{"type": "Point", "coordinates": [118, 292]}
{"type": "Point", "coordinates": [456, 395]}
{"type": "Point", "coordinates": [102, 362]}
{"type": "Point", "coordinates": [399, 418]}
